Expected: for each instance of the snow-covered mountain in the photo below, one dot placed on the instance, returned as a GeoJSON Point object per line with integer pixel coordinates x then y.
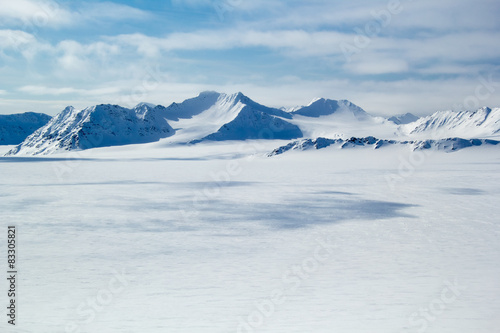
{"type": "Point", "coordinates": [325, 107]}
{"type": "Point", "coordinates": [447, 145]}
{"type": "Point", "coordinates": [482, 123]}
{"type": "Point", "coordinates": [332, 119]}
{"type": "Point", "coordinates": [15, 128]}
{"type": "Point", "coordinates": [403, 119]}
{"type": "Point", "coordinates": [97, 126]}
{"type": "Point", "coordinates": [213, 116]}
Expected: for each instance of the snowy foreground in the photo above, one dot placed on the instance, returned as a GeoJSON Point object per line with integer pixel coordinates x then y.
{"type": "Point", "coordinates": [204, 238]}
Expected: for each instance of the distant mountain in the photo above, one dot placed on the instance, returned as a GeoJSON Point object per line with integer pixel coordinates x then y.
{"type": "Point", "coordinates": [332, 119]}
{"type": "Point", "coordinates": [97, 126]}
{"type": "Point", "coordinates": [403, 119]}
{"type": "Point", "coordinates": [15, 128]}
{"type": "Point", "coordinates": [324, 107]}
{"type": "Point", "coordinates": [448, 145]}
{"type": "Point", "coordinates": [484, 122]}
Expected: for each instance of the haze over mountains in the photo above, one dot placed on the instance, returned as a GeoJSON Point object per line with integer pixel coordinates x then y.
{"type": "Point", "coordinates": [213, 116]}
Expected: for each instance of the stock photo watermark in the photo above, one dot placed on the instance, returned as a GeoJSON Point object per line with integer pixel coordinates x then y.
{"type": "Point", "coordinates": [483, 92]}
{"type": "Point", "coordinates": [88, 310]}
{"type": "Point", "coordinates": [422, 319]}
{"type": "Point", "coordinates": [32, 24]}
{"type": "Point", "coordinates": [291, 280]}
{"type": "Point", "coordinates": [409, 165]}
{"type": "Point", "coordinates": [150, 82]}
{"type": "Point", "coordinates": [364, 35]}
{"type": "Point", "coordinates": [232, 169]}
{"type": "Point", "coordinates": [224, 7]}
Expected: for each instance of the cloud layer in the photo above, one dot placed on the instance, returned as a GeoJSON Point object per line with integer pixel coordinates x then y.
{"type": "Point", "coordinates": [387, 56]}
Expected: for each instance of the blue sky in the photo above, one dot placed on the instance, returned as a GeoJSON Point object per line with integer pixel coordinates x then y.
{"type": "Point", "coordinates": [388, 57]}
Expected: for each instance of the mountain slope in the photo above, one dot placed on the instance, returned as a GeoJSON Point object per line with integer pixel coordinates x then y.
{"type": "Point", "coordinates": [484, 122]}
{"type": "Point", "coordinates": [255, 124]}
{"type": "Point", "coordinates": [97, 126]}
{"type": "Point", "coordinates": [217, 117]}
{"type": "Point", "coordinates": [14, 128]}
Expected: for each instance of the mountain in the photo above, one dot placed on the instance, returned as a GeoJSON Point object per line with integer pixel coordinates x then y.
{"type": "Point", "coordinates": [213, 116]}
{"type": "Point", "coordinates": [15, 128]}
{"type": "Point", "coordinates": [403, 119]}
{"type": "Point", "coordinates": [254, 124]}
{"type": "Point", "coordinates": [97, 126]}
{"type": "Point", "coordinates": [211, 100]}
{"type": "Point", "coordinates": [332, 119]}
{"type": "Point", "coordinates": [447, 145]}
{"type": "Point", "coordinates": [324, 107]}
{"type": "Point", "coordinates": [484, 122]}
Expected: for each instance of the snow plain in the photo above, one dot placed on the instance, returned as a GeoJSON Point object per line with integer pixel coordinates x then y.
{"type": "Point", "coordinates": [216, 237]}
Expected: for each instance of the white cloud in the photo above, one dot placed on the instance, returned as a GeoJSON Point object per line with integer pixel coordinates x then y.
{"type": "Point", "coordinates": [381, 55]}
{"type": "Point", "coordinates": [33, 15]}
{"type": "Point", "coordinates": [378, 66]}
{"type": "Point", "coordinates": [42, 90]}
{"type": "Point", "coordinates": [305, 43]}
{"type": "Point", "coordinates": [110, 11]}
{"type": "Point", "coordinates": [15, 39]}
{"type": "Point", "coordinates": [449, 38]}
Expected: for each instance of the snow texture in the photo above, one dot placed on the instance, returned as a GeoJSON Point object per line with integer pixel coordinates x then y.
{"type": "Point", "coordinates": [202, 239]}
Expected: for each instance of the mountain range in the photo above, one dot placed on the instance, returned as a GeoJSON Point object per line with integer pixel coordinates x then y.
{"type": "Point", "coordinates": [213, 116]}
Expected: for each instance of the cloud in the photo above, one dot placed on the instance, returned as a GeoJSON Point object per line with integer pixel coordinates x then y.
{"type": "Point", "coordinates": [34, 15]}
{"type": "Point", "coordinates": [280, 52]}
{"type": "Point", "coordinates": [15, 39]}
{"type": "Point", "coordinates": [380, 55]}
{"type": "Point", "coordinates": [110, 11]}
{"type": "Point", "coordinates": [42, 90]}
{"type": "Point", "coordinates": [378, 66]}
{"type": "Point", "coordinates": [302, 42]}
{"type": "Point", "coordinates": [427, 16]}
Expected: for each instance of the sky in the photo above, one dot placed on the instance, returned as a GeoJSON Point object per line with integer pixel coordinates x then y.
{"type": "Point", "coordinates": [388, 57]}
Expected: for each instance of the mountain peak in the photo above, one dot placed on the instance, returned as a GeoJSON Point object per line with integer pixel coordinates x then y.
{"type": "Point", "coordinates": [316, 100]}
{"type": "Point", "coordinates": [403, 119]}
{"type": "Point", "coordinates": [208, 93]}
{"type": "Point", "coordinates": [144, 104]}
{"type": "Point", "coordinates": [324, 107]}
